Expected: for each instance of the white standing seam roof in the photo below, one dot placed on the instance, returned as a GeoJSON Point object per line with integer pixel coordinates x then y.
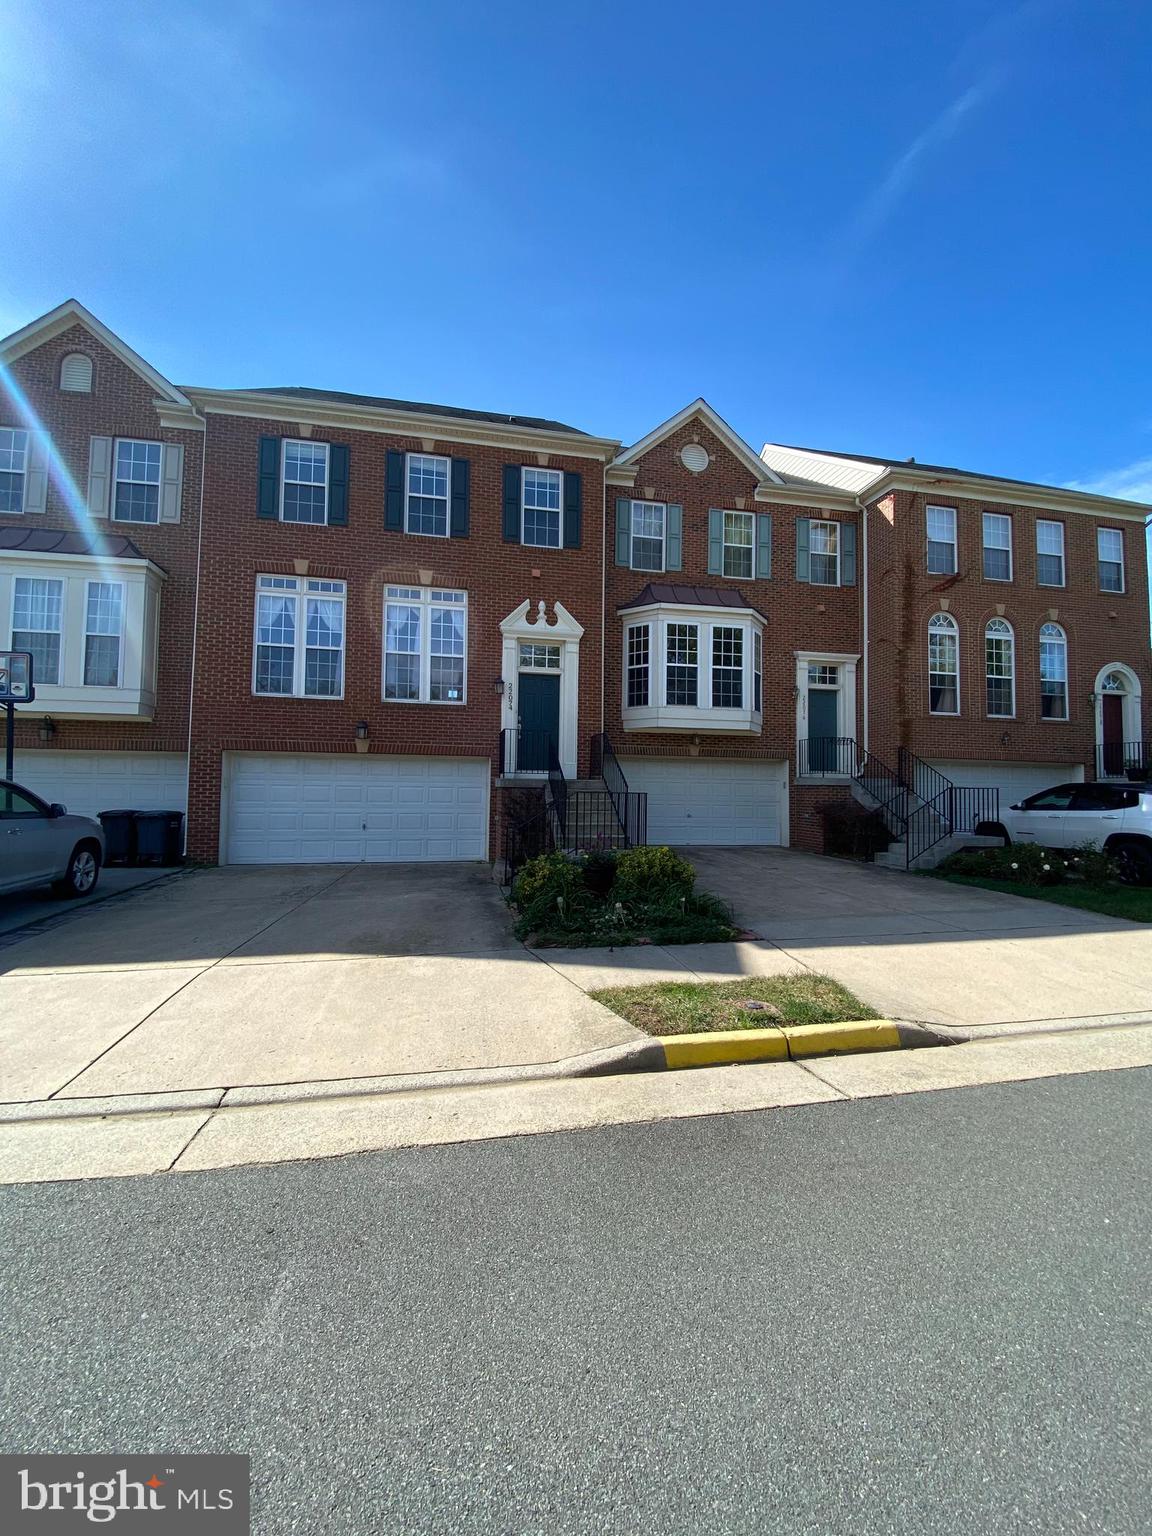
{"type": "Point", "coordinates": [853, 475]}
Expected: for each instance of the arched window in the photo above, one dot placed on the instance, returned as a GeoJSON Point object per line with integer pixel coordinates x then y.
{"type": "Point", "coordinates": [1000, 667]}
{"type": "Point", "coordinates": [76, 373]}
{"type": "Point", "coordinates": [1053, 672]}
{"type": "Point", "coordinates": [1115, 682]}
{"type": "Point", "coordinates": [943, 665]}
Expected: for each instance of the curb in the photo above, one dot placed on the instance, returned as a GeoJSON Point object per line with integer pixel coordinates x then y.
{"type": "Point", "coordinates": [792, 1042]}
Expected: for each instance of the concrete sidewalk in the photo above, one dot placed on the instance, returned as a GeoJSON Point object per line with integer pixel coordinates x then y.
{"type": "Point", "coordinates": [239, 977]}
{"type": "Point", "coordinates": [914, 948]}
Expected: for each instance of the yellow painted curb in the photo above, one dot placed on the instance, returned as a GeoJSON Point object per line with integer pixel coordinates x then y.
{"type": "Point", "coordinates": [720, 1047]}
{"type": "Point", "coordinates": [828, 1039]}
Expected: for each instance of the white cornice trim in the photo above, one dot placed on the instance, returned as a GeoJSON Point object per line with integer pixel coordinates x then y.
{"type": "Point", "coordinates": [700, 408]}
{"type": "Point", "coordinates": [686, 610]}
{"type": "Point", "coordinates": [965, 488]}
{"type": "Point", "coordinates": [366, 418]}
{"type": "Point", "coordinates": [70, 313]}
{"type": "Point", "coordinates": [806, 497]}
{"type": "Point", "coordinates": [837, 656]}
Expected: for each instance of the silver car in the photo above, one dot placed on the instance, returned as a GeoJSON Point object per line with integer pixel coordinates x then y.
{"type": "Point", "coordinates": [40, 844]}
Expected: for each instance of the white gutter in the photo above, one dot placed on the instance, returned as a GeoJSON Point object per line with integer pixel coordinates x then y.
{"type": "Point", "coordinates": [195, 620]}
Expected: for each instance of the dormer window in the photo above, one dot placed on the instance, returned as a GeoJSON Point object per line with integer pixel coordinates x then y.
{"type": "Point", "coordinates": [76, 373]}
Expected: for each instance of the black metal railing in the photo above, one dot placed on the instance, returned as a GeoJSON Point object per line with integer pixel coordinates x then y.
{"type": "Point", "coordinates": [1124, 760]}
{"type": "Point", "coordinates": [827, 755]}
{"type": "Point", "coordinates": [594, 821]}
{"type": "Point", "coordinates": [557, 788]}
{"type": "Point", "coordinates": [606, 765]}
{"type": "Point", "coordinates": [526, 751]}
{"type": "Point", "coordinates": [954, 809]}
{"type": "Point", "coordinates": [925, 782]}
{"type": "Point", "coordinates": [525, 839]}
{"type": "Point", "coordinates": [884, 786]}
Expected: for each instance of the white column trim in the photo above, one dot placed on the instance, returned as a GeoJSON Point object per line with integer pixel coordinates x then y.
{"type": "Point", "coordinates": [562, 630]}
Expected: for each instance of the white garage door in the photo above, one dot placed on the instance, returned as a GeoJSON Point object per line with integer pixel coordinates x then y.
{"type": "Point", "coordinates": [286, 809]}
{"type": "Point", "coordinates": [694, 800]}
{"type": "Point", "coordinates": [1015, 781]}
{"type": "Point", "coordinates": [90, 782]}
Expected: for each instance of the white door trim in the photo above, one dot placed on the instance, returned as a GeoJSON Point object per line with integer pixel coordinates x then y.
{"type": "Point", "coordinates": [562, 630]}
{"type": "Point", "coordinates": [1133, 730]}
{"type": "Point", "coordinates": [846, 707]}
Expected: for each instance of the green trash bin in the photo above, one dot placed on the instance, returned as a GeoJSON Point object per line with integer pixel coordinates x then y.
{"type": "Point", "coordinates": [119, 836]}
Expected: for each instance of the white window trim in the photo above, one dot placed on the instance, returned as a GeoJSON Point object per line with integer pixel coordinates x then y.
{"type": "Point", "coordinates": [23, 473]}
{"type": "Point", "coordinates": [992, 634]}
{"type": "Point", "coordinates": [632, 536]}
{"type": "Point", "coordinates": [136, 522]}
{"type": "Point", "coordinates": [300, 633]}
{"type": "Point", "coordinates": [929, 508]}
{"type": "Point", "coordinates": [703, 716]}
{"type": "Point", "coordinates": [61, 671]}
{"type": "Point", "coordinates": [1131, 696]}
{"type": "Point", "coordinates": [646, 626]}
{"type": "Point", "coordinates": [823, 554]}
{"type": "Point", "coordinates": [423, 533]}
{"type": "Point", "coordinates": [1122, 562]}
{"type": "Point", "coordinates": [1066, 680]}
{"type": "Point", "coordinates": [426, 604]}
{"type": "Point", "coordinates": [304, 442]}
{"type": "Point", "coordinates": [984, 545]}
{"type": "Point", "coordinates": [1048, 522]}
{"type": "Point", "coordinates": [524, 508]}
{"type": "Point", "coordinates": [954, 630]}
{"type": "Point", "coordinates": [725, 514]}
{"type": "Point", "coordinates": [103, 581]}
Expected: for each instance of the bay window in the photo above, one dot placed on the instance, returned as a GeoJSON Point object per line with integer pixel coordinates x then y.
{"type": "Point", "coordinates": [693, 668]}
{"type": "Point", "coordinates": [103, 632]}
{"type": "Point", "coordinates": [38, 624]}
{"type": "Point", "coordinates": [299, 650]}
{"type": "Point", "coordinates": [425, 645]}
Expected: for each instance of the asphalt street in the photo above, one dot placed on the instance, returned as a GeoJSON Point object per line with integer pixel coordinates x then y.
{"type": "Point", "coordinates": [916, 1315]}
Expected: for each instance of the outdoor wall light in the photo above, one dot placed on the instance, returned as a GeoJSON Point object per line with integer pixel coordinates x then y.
{"type": "Point", "coordinates": [498, 687]}
{"type": "Point", "coordinates": [362, 730]}
{"type": "Point", "coordinates": [1005, 739]}
{"type": "Point", "coordinates": [47, 728]}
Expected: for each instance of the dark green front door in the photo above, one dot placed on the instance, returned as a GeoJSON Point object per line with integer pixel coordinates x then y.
{"type": "Point", "coordinates": [539, 722]}
{"type": "Point", "coordinates": [823, 715]}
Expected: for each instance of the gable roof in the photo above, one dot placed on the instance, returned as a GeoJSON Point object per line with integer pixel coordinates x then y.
{"type": "Point", "coordinates": [71, 313]}
{"type": "Point", "coordinates": [700, 410]}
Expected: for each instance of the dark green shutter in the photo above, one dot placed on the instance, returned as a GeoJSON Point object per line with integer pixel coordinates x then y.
{"type": "Point", "coordinates": [624, 530]}
{"type": "Point", "coordinates": [803, 542]}
{"type": "Point", "coordinates": [847, 554]}
{"type": "Point", "coordinates": [461, 486]}
{"type": "Point", "coordinates": [764, 544]}
{"type": "Point", "coordinates": [573, 508]}
{"type": "Point", "coordinates": [338, 484]}
{"type": "Point", "coordinates": [715, 542]}
{"type": "Point", "coordinates": [394, 490]}
{"type": "Point", "coordinates": [511, 520]}
{"type": "Point", "coordinates": [673, 538]}
{"type": "Point", "coordinates": [268, 504]}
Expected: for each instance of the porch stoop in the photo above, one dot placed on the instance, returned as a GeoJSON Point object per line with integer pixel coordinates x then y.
{"type": "Point", "coordinates": [896, 854]}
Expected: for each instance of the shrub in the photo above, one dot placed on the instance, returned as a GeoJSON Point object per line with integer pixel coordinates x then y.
{"type": "Point", "coordinates": [647, 871]}
{"type": "Point", "coordinates": [546, 886]}
{"type": "Point", "coordinates": [852, 830]}
{"type": "Point", "coordinates": [599, 871]}
{"type": "Point", "coordinates": [1023, 864]}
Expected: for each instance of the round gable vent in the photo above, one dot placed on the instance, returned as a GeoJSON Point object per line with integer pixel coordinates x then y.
{"type": "Point", "coordinates": [694, 457]}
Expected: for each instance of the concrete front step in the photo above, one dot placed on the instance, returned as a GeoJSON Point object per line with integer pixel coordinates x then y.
{"type": "Point", "coordinates": [896, 854]}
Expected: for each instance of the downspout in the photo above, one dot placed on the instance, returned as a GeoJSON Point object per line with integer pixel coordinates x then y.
{"type": "Point", "coordinates": [195, 620]}
{"type": "Point", "coordinates": [603, 595]}
{"type": "Point", "coordinates": [863, 510]}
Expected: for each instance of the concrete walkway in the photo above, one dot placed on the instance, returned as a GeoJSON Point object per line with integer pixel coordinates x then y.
{"type": "Point", "coordinates": [236, 977]}
{"type": "Point", "coordinates": [913, 947]}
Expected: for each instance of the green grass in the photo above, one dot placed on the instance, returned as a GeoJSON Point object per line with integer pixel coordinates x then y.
{"type": "Point", "coordinates": [1131, 901]}
{"type": "Point", "coordinates": [688, 1008]}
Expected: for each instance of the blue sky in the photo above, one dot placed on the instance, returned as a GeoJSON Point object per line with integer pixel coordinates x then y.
{"type": "Point", "coordinates": [902, 228]}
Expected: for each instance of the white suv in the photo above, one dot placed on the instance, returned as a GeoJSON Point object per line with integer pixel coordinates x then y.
{"type": "Point", "coordinates": [1116, 817]}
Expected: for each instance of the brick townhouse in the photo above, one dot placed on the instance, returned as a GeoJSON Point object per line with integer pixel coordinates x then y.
{"type": "Point", "coordinates": [340, 627]}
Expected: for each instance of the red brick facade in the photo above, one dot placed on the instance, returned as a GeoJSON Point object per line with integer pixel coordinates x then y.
{"type": "Point", "coordinates": [213, 556]}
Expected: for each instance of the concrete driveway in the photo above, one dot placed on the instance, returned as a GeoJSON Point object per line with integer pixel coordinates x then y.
{"type": "Point", "coordinates": [923, 949]}
{"type": "Point", "coordinates": [235, 977]}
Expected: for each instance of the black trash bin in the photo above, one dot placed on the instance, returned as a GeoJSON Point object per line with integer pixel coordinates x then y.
{"type": "Point", "coordinates": [159, 837]}
{"type": "Point", "coordinates": [119, 836]}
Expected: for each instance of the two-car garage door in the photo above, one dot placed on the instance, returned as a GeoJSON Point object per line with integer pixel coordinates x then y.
{"type": "Point", "coordinates": [709, 800]}
{"type": "Point", "coordinates": [284, 808]}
